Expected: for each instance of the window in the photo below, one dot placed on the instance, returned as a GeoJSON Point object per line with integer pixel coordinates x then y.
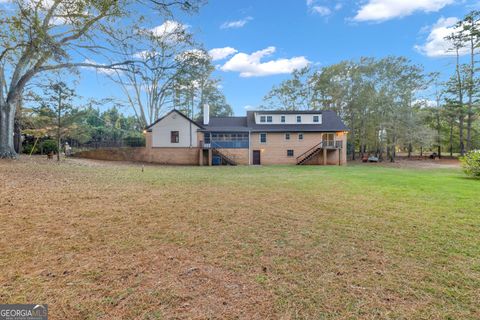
{"type": "Point", "coordinates": [299, 119]}
{"type": "Point", "coordinates": [174, 137]}
{"type": "Point", "coordinates": [316, 119]}
{"type": "Point", "coordinates": [262, 118]}
{"type": "Point", "coordinates": [300, 136]}
{"type": "Point", "coordinates": [289, 153]}
{"type": "Point", "coordinates": [282, 119]}
{"type": "Point", "coordinates": [263, 138]}
{"type": "Point", "coordinates": [269, 118]}
{"type": "Point", "coordinates": [287, 136]}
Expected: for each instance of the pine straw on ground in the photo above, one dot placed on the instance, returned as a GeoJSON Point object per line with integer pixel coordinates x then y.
{"type": "Point", "coordinates": [100, 240]}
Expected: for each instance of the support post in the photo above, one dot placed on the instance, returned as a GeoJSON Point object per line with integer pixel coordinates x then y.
{"type": "Point", "coordinates": [209, 157]}
{"type": "Point", "coordinates": [324, 156]}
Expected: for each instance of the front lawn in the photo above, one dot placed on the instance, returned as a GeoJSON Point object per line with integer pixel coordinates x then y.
{"type": "Point", "coordinates": [106, 240]}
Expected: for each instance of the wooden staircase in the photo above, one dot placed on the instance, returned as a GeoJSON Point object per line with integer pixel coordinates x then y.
{"type": "Point", "coordinates": [308, 156]}
{"type": "Point", "coordinates": [228, 158]}
{"type": "Point", "coordinates": [315, 150]}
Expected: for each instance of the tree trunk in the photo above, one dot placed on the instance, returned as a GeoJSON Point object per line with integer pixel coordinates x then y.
{"type": "Point", "coordinates": [462, 142]}
{"type": "Point", "coordinates": [439, 152]}
{"type": "Point", "coordinates": [470, 92]}
{"type": "Point", "coordinates": [352, 148]}
{"type": "Point", "coordinates": [59, 124]}
{"type": "Point", "coordinates": [7, 123]}
{"type": "Point", "coordinates": [451, 140]}
{"type": "Point", "coordinates": [409, 150]}
{"type": "Point", "coordinates": [17, 137]}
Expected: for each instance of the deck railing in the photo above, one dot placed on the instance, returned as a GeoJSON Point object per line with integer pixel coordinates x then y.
{"type": "Point", "coordinates": [325, 144]}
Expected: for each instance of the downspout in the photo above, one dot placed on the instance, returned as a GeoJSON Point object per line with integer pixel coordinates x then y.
{"type": "Point", "coordinates": [249, 148]}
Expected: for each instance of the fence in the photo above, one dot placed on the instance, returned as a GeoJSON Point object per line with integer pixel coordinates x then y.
{"type": "Point", "coordinates": [124, 143]}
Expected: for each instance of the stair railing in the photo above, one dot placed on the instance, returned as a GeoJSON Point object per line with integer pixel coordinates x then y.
{"type": "Point", "coordinates": [230, 157]}
{"type": "Point", "coordinates": [304, 155]}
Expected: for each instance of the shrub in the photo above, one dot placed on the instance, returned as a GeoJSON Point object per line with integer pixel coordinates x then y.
{"type": "Point", "coordinates": [27, 148]}
{"type": "Point", "coordinates": [471, 163]}
{"type": "Point", "coordinates": [133, 141]}
{"type": "Point", "coordinates": [49, 146]}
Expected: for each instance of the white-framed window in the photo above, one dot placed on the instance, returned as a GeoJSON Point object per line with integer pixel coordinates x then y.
{"type": "Point", "coordinates": [262, 119]}
{"type": "Point", "coordinates": [263, 137]}
{"type": "Point", "coordinates": [269, 118]}
{"type": "Point", "coordinates": [299, 119]}
{"type": "Point", "coordinates": [287, 136]}
{"type": "Point", "coordinates": [282, 119]}
{"type": "Point", "coordinates": [300, 136]}
{"type": "Point", "coordinates": [290, 153]}
{"type": "Point", "coordinates": [316, 119]}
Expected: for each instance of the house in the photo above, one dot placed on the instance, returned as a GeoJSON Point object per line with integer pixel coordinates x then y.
{"type": "Point", "coordinates": [260, 137]}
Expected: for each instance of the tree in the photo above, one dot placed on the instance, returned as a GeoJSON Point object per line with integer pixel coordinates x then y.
{"type": "Point", "coordinates": [57, 111]}
{"type": "Point", "coordinates": [292, 94]}
{"type": "Point", "coordinates": [469, 36]}
{"type": "Point", "coordinates": [148, 87]}
{"type": "Point", "coordinates": [194, 86]}
{"type": "Point", "coordinates": [39, 36]}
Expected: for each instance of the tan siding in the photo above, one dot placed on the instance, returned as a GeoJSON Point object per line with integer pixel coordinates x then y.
{"type": "Point", "coordinates": [275, 150]}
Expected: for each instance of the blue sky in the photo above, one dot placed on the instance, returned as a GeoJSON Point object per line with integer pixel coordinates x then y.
{"type": "Point", "coordinates": [259, 42]}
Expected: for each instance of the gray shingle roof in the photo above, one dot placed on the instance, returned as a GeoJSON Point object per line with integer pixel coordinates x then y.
{"type": "Point", "coordinates": [330, 123]}
{"type": "Point", "coordinates": [233, 124]}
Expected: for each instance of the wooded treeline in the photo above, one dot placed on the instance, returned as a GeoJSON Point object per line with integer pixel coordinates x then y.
{"type": "Point", "coordinates": [391, 104]}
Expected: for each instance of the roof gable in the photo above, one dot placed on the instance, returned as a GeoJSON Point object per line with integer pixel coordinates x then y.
{"type": "Point", "coordinates": [174, 111]}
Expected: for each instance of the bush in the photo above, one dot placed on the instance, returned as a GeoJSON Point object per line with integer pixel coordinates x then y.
{"type": "Point", "coordinates": [133, 141]}
{"type": "Point", "coordinates": [27, 148]}
{"type": "Point", "coordinates": [49, 146]}
{"type": "Point", "coordinates": [471, 163]}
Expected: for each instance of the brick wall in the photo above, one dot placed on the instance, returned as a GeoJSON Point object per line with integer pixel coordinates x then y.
{"type": "Point", "coordinates": [178, 156]}
{"type": "Point", "coordinates": [275, 150]}
{"type": "Point", "coordinates": [239, 155]}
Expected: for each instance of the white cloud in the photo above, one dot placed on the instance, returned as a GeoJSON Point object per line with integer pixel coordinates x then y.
{"type": "Point", "coordinates": [169, 30]}
{"type": "Point", "coordinates": [221, 53]}
{"type": "Point", "coordinates": [381, 10]}
{"type": "Point", "coordinates": [322, 10]}
{"type": "Point", "coordinates": [250, 65]}
{"type": "Point", "coordinates": [436, 45]}
{"type": "Point", "coordinates": [236, 24]}
{"type": "Point", "coordinates": [249, 107]}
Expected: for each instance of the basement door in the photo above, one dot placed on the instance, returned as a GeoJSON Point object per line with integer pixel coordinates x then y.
{"type": "Point", "coordinates": [256, 157]}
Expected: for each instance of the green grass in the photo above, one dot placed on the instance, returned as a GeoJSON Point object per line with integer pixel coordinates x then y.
{"type": "Point", "coordinates": [308, 242]}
